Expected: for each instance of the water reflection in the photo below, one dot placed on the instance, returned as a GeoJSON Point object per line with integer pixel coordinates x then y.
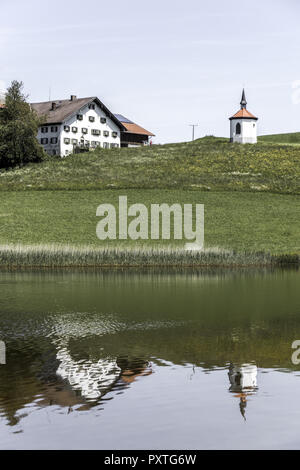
{"type": "Point", "coordinates": [95, 379]}
{"type": "Point", "coordinates": [83, 342]}
{"type": "Point", "coordinates": [243, 383]}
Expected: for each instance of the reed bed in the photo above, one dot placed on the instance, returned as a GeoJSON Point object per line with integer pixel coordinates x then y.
{"type": "Point", "coordinates": [52, 256]}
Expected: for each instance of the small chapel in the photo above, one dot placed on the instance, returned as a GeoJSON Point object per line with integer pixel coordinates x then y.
{"type": "Point", "coordinates": [243, 125]}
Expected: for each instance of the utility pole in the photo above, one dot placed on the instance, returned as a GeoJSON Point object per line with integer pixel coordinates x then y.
{"type": "Point", "coordinates": [193, 132]}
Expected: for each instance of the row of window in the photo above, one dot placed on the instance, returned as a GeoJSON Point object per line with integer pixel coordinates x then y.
{"type": "Point", "coordinates": [84, 130]}
{"type": "Point", "coordinates": [91, 118]}
{"type": "Point", "coordinates": [45, 140]}
{"type": "Point", "coordinates": [87, 143]}
{"type": "Point", "coordinates": [44, 129]}
{"type": "Point", "coordinates": [94, 145]}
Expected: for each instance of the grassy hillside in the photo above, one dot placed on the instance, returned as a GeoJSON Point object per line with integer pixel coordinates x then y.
{"type": "Point", "coordinates": [289, 138]}
{"type": "Point", "coordinates": [203, 165]}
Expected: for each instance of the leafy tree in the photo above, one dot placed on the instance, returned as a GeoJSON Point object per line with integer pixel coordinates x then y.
{"type": "Point", "coordinates": [18, 130]}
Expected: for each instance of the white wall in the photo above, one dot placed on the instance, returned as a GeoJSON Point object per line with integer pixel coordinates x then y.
{"type": "Point", "coordinates": [51, 149]}
{"type": "Point", "coordinates": [248, 133]}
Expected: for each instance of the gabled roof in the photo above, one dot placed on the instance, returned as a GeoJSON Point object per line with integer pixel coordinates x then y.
{"type": "Point", "coordinates": [131, 127]}
{"type": "Point", "coordinates": [65, 108]}
{"type": "Point", "coordinates": [243, 114]}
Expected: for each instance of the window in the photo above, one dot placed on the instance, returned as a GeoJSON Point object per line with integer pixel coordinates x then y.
{"type": "Point", "coordinates": [67, 152]}
{"type": "Point", "coordinates": [74, 129]}
{"type": "Point", "coordinates": [96, 132]}
{"type": "Point", "coordinates": [103, 120]}
{"type": "Point", "coordinates": [105, 145]}
{"type": "Point", "coordinates": [79, 117]}
{"type": "Point", "coordinates": [54, 128]}
{"type": "Point", "coordinates": [74, 141]}
{"type": "Point", "coordinates": [66, 140]}
{"type": "Point", "coordinates": [44, 130]}
{"type": "Point", "coordinates": [87, 143]}
{"type": "Point", "coordinates": [114, 145]}
{"type": "Point", "coordinates": [114, 134]}
{"type": "Point", "coordinates": [67, 128]}
{"type": "Point", "coordinates": [254, 124]}
{"type": "Point", "coordinates": [91, 118]}
{"type": "Point", "coordinates": [238, 128]}
{"type": "Point", "coordinates": [105, 133]}
{"type": "Point", "coordinates": [44, 141]}
{"type": "Point", "coordinates": [84, 130]}
{"type": "Point", "coordinates": [53, 140]}
{"type": "Point", "coordinates": [93, 144]}
{"type": "Point", "coordinates": [92, 106]}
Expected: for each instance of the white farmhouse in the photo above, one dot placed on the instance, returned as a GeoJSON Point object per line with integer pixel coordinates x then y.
{"type": "Point", "coordinates": [77, 123]}
{"type": "Point", "coordinates": [243, 125]}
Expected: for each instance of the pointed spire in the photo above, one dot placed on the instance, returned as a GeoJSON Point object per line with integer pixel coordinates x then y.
{"type": "Point", "coordinates": [243, 102]}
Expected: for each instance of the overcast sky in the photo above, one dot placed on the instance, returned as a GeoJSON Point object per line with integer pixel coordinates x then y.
{"type": "Point", "coordinates": [164, 64]}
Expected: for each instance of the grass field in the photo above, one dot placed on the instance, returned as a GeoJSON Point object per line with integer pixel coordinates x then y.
{"type": "Point", "coordinates": [233, 220]}
{"type": "Point", "coordinates": [288, 138]}
{"type": "Point", "coordinates": [250, 193]}
{"type": "Point", "coordinates": [208, 164]}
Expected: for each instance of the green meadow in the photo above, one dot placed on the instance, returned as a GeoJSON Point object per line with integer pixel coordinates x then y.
{"type": "Point", "coordinates": [250, 194]}
{"type": "Point", "coordinates": [238, 221]}
{"type": "Point", "coordinates": [288, 138]}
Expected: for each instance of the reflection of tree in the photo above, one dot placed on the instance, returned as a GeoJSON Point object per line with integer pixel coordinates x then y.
{"type": "Point", "coordinates": [20, 381]}
{"type": "Point", "coordinates": [243, 382]}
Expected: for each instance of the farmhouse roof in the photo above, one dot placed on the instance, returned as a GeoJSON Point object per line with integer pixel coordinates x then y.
{"type": "Point", "coordinates": [132, 127]}
{"type": "Point", "coordinates": [55, 112]}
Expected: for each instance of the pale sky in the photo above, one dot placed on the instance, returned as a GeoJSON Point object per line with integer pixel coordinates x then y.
{"type": "Point", "coordinates": [164, 64]}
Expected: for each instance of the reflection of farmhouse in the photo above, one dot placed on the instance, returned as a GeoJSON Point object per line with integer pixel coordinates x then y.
{"type": "Point", "coordinates": [83, 124]}
{"type": "Point", "coordinates": [99, 373]}
{"type": "Point", "coordinates": [92, 379]}
{"type": "Point", "coordinates": [243, 125]}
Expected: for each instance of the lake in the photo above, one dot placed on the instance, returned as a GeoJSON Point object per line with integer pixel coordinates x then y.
{"type": "Point", "coordinates": [149, 359]}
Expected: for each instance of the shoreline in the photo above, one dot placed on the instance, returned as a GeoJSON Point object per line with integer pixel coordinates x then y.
{"type": "Point", "coordinates": [66, 257]}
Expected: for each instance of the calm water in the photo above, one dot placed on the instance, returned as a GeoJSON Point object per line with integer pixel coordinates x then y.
{"type": "Point", "coordinates": [128, 360]}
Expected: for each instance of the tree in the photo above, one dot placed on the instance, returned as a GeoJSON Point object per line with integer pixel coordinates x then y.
{"type": "Point", "coordinates": [18, 130]}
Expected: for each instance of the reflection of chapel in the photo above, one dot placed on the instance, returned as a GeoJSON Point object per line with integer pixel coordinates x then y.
{"type": "Point", "coordinates": [243, 382]}
{"type": "Point", "coordinates": [243, 125]}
